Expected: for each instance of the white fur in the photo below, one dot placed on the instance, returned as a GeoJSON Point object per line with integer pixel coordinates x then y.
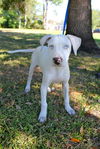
{"type": "Point", "coordinates": [57, 46]}
{"type": "Point", "coordinates": [21, 50]}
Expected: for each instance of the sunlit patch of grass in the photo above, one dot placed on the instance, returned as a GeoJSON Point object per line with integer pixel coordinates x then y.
{"type": "Point", "coordinates": [31, 31]}
{"type": "Point", "coordinates": [20, 61]}
{"type": "Point", "coordinates": [16, 37]}
{"type": "Point", "coordinates": [21, 140]}
{"type": "Point", "coordinates": [3, 56]}
{"type": "Point", "coordinates": [87, 62]}
{"type": "Point", "coordinates": [97, 38]}
{"type": "Point", "coordinates": [2, 50]}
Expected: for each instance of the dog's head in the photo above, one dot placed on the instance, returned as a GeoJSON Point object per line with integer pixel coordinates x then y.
{"type": "Point", "coordinates": [59, 46]}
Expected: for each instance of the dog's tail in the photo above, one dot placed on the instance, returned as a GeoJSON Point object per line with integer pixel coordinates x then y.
{"type": "Point", "coordinates": [21, 51]}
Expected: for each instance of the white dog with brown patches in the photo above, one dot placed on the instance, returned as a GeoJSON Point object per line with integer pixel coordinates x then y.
{"type": "Point", "coordinates": [53, 61]}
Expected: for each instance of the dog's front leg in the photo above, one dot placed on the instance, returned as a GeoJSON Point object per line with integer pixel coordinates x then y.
{"type": "Point", "coordinates": [43, 113]}
{"type": "Point", "coordinates": [32, 66]}
{"type": "Point", "coordinates": [66, 98]}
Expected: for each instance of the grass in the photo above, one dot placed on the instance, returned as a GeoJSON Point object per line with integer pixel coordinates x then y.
{"type": "Point", "coordinates": [97, 38]}
{"type": "Point", "coordinates": [19, 127]}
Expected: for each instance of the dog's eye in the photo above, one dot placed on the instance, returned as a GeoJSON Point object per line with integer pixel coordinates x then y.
{"type": "Point", "coordinates": [65, 46]}
{"type": "Point", "coordinates": [51, 46]}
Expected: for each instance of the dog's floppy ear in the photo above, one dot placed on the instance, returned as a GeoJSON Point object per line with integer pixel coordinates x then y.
{"type": "Point", "coordinates": [75, 41]}
{"type": "Point", "coordinates": [45, 39]}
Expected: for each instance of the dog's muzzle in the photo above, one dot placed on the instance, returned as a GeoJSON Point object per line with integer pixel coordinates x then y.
{"type": "Point", "coordinates": [57, 60]}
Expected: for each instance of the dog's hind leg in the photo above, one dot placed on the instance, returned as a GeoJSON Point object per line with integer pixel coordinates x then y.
{"type": "Point", "coordinates": [66, 98]}
{"type": "Point", "coordinates": [31, 70]}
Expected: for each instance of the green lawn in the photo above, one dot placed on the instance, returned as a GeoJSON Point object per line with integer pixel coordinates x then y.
{"type": "Point", "coordinates": [97, 38]}
{"type": "Point", "coordinates": [19, 127]}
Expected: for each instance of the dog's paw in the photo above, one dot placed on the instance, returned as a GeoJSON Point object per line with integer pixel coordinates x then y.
{"type": "Point", "coordinates": [42, 119]}
{"type": "Point", "coordinates": [70, 111]}
{"type": "Point", "coordinates": [27, 89]}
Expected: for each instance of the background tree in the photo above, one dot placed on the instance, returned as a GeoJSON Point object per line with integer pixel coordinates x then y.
{"type": "Point", "coordinates": [25, 9]}
{"type": "Point", "coordinates": [95, 19]}
{"type": "Point", "coordinates": [45, 9]}
{"type": "Point", "coordinates": [30, 12]}
{"type": "Point", "coordinates": [80, 23]}
{"type": "Point", "coordinates": [18, 5]}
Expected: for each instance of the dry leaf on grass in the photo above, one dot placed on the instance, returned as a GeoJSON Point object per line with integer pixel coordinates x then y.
{"type": "Point", "coordinates": [1, 89]}
{"type": "Point", "coordinates": [82, 130]}
{"type": "Point", "coordinates": [94, 148]}
{"type": "Point", "coordinates": [18, 107]}
{"type": "Point", "coordinates": [75, 140]}
{"type": "Point", "coordinates": [9, 103]}
{"type": "Point", "coordinates": [28, 103]}
{"type": "Point", "coordinates": [68, 146]}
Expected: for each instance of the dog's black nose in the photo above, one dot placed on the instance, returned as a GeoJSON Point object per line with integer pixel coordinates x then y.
{"type": "Point", "coordinates": [57, 60]}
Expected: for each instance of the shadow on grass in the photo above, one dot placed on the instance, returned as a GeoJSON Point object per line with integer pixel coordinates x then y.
{"type": "Point", "coordinates": [13, 40]}
{"type": "Point", "coordinates": [19, 127]}
{"type": "Point", "coordinates": [83, 69]}
{"type": "Point", "coordinates": [98, 42]}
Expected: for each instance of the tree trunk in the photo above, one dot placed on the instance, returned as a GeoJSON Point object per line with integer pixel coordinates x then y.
{"type": "Point", "coordinates": [45, 13]}
{"type": "Point", "coordinates": [19, 19]}
{"type": "Point", "coordinates": [25, 24]}
{"type": "Point", "coordinates": [80, 23]}
{"type": "Point", "coordinates": [19, 22]}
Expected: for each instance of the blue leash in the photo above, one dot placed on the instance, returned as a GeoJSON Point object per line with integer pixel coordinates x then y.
{"type": "Point", "coordinates": [66, 18]}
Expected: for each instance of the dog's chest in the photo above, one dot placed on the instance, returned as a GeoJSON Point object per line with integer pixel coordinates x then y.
{"type": "Point", "coordinates": [59, 74]}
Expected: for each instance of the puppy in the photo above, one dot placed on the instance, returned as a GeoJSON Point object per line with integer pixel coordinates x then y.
{"type": "Point", "coordinates": [52, 57]}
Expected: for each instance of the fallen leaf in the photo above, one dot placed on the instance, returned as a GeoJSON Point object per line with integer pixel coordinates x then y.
{"type": "Point", "coordinates": [48, 144]}
{"type": "Point", "coordinates": [75, 140]}
{"type": "Point", "coordinates": [82, 130]}
{"type": "Point", "coordinates": [98, 131]}
{"type": "Point", "coordinates": [1, 90]}
{"type": "Point", "coordinates": [8, 95]}
{"type": "Point", "coordinates": [9, 103]}
{"type": "Point", "coordinates": [93, 148]}
{"type": "Point", "coordinates": [28, 103]}
{"type": "Point", "coordinates": [68, 146]}
{"type": "Point", "coordinates": [18, 107]}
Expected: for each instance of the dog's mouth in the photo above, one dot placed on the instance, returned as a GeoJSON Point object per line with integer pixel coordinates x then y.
{"type": "Point", "coordinates": [57, 60]}
{"type": "Point", "coordinates": [57, 63]}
